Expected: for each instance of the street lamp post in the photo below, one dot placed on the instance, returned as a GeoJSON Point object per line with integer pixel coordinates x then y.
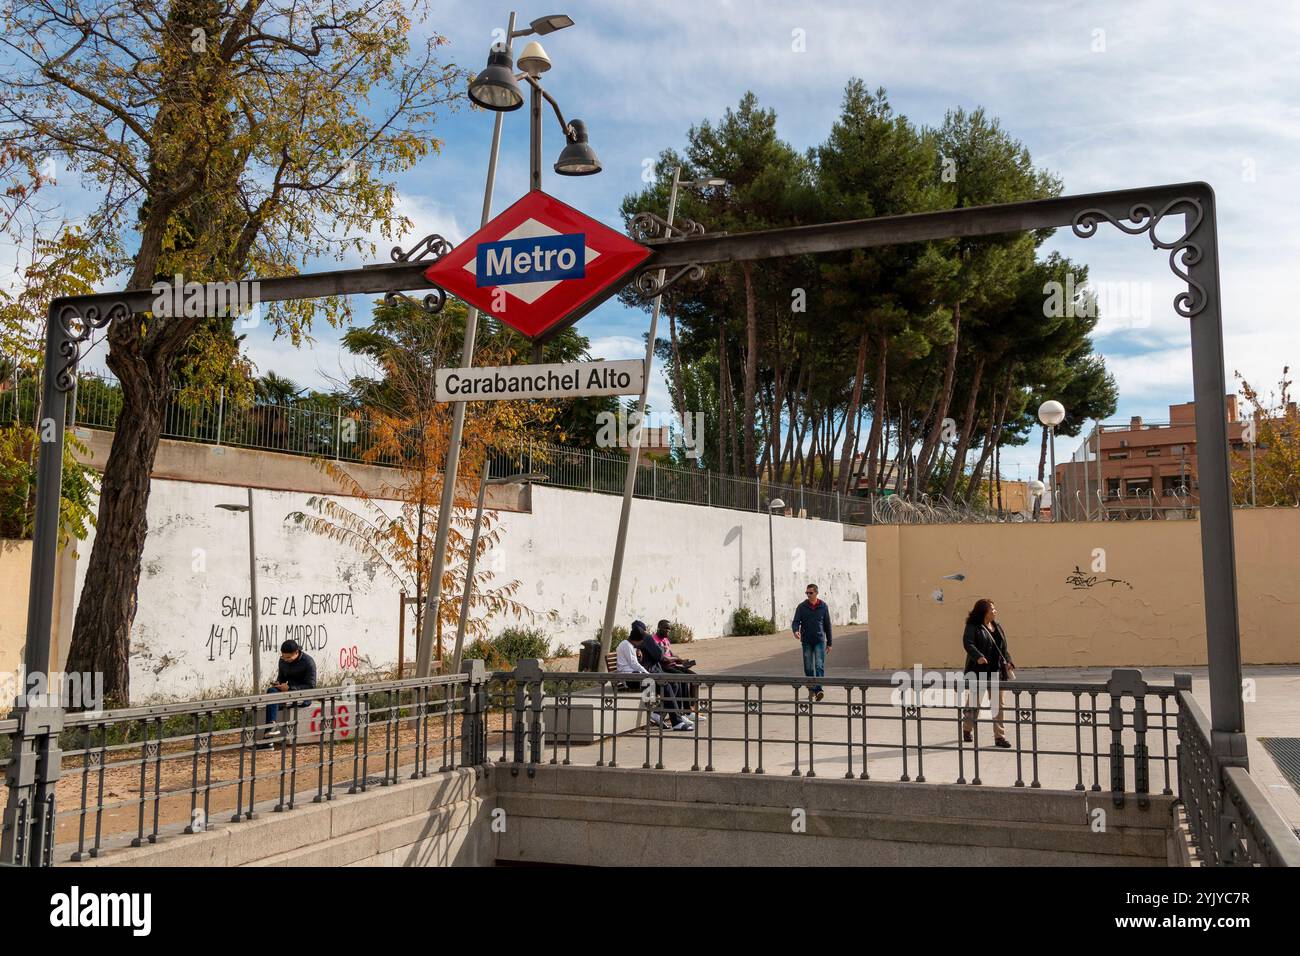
{"type": "Point", "coordinates": [634, 444]}
{"type": "Point", "coordinates": [256, 642]}
{"type": "Point", "coordinates": [473, 554]}
{"type": "Point", "coordinates": [776, 504]}
{"type": "Point", "coordinates": [496, 89]}
{"type": "Point", "coordinates": [1051, 413]}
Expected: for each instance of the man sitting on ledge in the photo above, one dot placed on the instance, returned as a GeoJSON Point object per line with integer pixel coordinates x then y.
{"type": "Point", "coordinates": [297, 671]}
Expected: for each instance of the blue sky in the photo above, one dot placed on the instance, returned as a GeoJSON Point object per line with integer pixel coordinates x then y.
{"type": "Point", "coordinates": [1106, 94]}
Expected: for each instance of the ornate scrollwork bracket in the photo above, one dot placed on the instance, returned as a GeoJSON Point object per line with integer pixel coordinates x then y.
{"type": "Point", "coordinates": [646, 226]}
{"type": "Point", "coordinates": [431, 304]}
{"type": "Point", "coordinates": [431, 247]}
{"type": "Point", "coordinates": [648, 284]}
{"type": "Point", "coordinates": [1142, 219]}
{"type": "Point", "coordinates": [77, 326]}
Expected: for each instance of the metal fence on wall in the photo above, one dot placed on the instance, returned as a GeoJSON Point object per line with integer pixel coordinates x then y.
{"type": "Point", "coordinates": [345, 435]}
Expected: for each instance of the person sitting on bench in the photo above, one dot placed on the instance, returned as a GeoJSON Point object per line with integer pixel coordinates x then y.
{"type": "Point", "coordinates": [636, 647]}
{"type": "Point", "coordinates": [297, 671]}
{"type": "Point", "coordinates": [687, 691]}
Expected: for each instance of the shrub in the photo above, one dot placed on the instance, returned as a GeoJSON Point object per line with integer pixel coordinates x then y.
{"type": "Point", "coordinates": [487, 652]}
{"type": "Point", "coordinates": [745, 623]}
{"type": "Point", "coordinates": [617, 635]}
{"type": "Point", "coordinates": [679, 633]}
{"type": "Point", "coordinates": [515, 643]}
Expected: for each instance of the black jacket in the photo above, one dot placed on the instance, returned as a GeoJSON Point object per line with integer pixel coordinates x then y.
{"type": "Point", "coordinates": [299, 674]}
{"type": "Point", "coordinates": [978, 644]}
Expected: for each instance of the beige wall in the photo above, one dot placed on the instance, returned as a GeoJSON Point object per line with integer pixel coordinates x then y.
{"type": "Point", "coordinates": [1154, 615]}
{"type": "Point", "coordinates": [15, 571]}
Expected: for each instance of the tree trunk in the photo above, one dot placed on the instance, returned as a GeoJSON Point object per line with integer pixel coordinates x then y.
{"type": "Point", "coordinates": [102, 627]}
{"type": "Point", "coordinates": [967, 429]}
{"type": "Point", "coordinates": [679, 389]}
{"type": "Point", "coordinates": [877, 412]}
{"type": "Point", "coordinates": [1042, 465]}
{"type": "Point", "coordinates": [932, 440]}
{"type": "Point", "coordinates": [1001, 399]}
{"type": "Point", "coordinates": [855, 402]}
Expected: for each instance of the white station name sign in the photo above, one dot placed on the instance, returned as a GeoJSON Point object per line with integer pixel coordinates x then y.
{"type": "Point", "coordinates": [572, 380]}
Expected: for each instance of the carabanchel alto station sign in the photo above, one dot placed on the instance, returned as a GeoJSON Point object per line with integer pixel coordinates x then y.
{"type": "Point", "coordinates": [570, 380]}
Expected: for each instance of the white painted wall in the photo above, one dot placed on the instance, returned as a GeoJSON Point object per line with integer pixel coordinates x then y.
{"type": "Point", "coordinates": [694, 564]}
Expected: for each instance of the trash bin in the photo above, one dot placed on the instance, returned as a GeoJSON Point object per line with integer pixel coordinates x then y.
{"type": "Point", "coordinates": [589, 656]}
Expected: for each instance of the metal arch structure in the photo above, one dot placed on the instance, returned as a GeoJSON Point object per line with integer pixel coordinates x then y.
{"type": "Point", "coordinates": [1193, 257]}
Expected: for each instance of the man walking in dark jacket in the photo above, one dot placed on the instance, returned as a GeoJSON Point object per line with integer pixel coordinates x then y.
{"type": "Point", "coordinates": [812, 628]}
{"type": "Point", "coordinates": [297, 671]}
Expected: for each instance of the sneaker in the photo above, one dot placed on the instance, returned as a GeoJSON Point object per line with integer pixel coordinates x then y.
{"type": "Point", "coordinates": [656, 719]}
{"type": "Point", "coordinates": [683, 725]}
{"type": "Point", "coordinates": [273, 733]}
{"type": "Point", "coordinates": [1003, 742]}
{"type": "Point", "coordinates": [818, 696]}
{"type": "Point", "coordinates": [966, 736]}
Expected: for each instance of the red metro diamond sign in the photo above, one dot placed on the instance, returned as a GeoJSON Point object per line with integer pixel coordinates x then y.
{"type": "Point", "coordinates": [537, 264]}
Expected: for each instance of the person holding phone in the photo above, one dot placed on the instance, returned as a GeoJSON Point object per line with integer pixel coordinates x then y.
{"type": "Point", "coordinates": [297, 671]}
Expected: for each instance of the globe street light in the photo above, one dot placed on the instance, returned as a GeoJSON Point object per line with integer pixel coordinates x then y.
{"type": "Point", "coordinates": [1051, 413]}
{"type": "Point", "coordinates": [776, 504]}
{"type": "Point", "coordinates": [252, 584]}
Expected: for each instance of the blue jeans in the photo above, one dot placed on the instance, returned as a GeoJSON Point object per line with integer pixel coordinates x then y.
{"type": "Point", "coordinates": [272, 710]}
{"type": "Point", "coordinates": [814, 661]}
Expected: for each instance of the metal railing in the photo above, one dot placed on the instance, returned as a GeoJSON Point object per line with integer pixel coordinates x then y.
{"type": "Point", "coordinates": [135, 776]}
{"type": "Point", "coordinates": [1114, 735]}
{"type": "Point", "coordinates": [1231, 819]}
{"type": "Point", "coordinates": [139, 772]}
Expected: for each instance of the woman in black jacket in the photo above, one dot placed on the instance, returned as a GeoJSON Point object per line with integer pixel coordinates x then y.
{"type": "Point", "coordinates": [988, 659]}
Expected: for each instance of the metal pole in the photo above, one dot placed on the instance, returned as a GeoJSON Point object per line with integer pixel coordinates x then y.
{"type": "Point", "coordinates": [33, 770]}
{"type": "Point", "coordinates": [401, 633]}
{"type": "Point", "coordinates": [771, 561]}
{"type": "Point", "coordinates": [221, 412]}
{"type": "Point", "coordinates": [1254, 424]}
{"type": "Point", "coordinates": [252, 580]}
{"type": "Point", "coordinates": [1101, 487]}
{"type": "Point", "coordinates": [1051, 444]}
{"type": "Point", "coordinates": [633, 455]}
{"type": "Point", "coordinates": [424, 655]}
{"type": "Point", "coordinates": [534, 151]}
{"type": "Point", "coordinates": [469, 570]}
{"type": "Point", "coordinates": [1218, 548]}
{"type": "Point", "coordinates": [1087, 508]}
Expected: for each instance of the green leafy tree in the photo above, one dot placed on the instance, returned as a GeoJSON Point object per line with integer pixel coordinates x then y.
{"type": "Point", "coordinates": [222, 142]}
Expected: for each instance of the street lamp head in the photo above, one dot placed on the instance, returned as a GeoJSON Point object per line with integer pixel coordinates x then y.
{"type": "Point", "coordinates": [496, 87]}
{"type": "Point", "coordinates": [534, 60]}
{"type": "Point", "coordinates": [714, 181]}
{"type": "Point", "coordinates": [1051, 413]}
{"type": "Point", "coordinates": [776, 504]}
{"type": "Point", "coordinates": [556, 21]}
{"type": "Point", "coordinates": [577, 158]}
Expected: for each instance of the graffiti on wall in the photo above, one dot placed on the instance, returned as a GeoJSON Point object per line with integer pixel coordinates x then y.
{"type": "Point", "coordinates": [305, 618]}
